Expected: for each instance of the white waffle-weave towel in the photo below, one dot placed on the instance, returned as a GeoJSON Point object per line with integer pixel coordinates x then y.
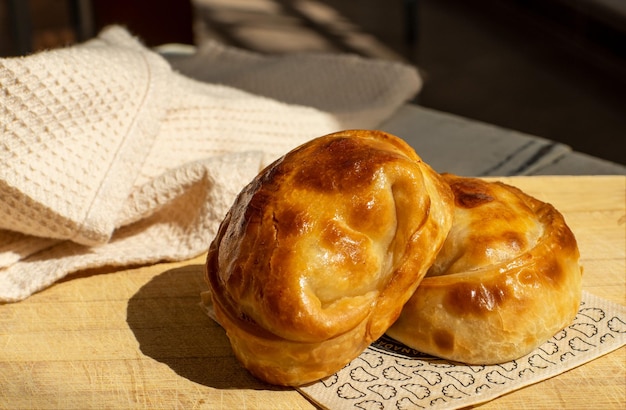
{"type": "Point", "coordinates": [109, 156]}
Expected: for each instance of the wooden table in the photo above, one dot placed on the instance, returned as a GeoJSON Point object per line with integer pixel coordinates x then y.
{"type": "Point", "coordinates": [136, 338]}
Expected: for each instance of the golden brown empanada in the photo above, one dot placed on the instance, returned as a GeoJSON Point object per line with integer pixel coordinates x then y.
{"type": "Point", "coordinates": [506, 280]}
{"type": "Point", "coordinates": [319, 253]}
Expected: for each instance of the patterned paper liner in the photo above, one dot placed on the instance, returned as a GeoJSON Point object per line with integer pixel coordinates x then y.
{"type": "Point", "coordinates": [391, 375]}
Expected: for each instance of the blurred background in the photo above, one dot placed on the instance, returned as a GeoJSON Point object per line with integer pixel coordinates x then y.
{"type": "Point", "coordinates": [551, 68]}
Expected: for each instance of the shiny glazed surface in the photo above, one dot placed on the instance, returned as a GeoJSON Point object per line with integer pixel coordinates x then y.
{"type": "Point", "coordinates": [506, 280]}
{"type": "Point", "coordinates": [319, 253]}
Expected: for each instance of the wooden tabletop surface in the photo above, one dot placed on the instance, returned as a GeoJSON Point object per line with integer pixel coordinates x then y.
{"type": "Point", "coordinates": [136, 337]}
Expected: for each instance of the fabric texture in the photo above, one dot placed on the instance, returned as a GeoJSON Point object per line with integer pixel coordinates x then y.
{"type": "Point", "coordinates": [111, 155]}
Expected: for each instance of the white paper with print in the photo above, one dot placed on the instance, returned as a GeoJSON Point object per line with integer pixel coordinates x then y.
{"type": "Point", "coordinates": [389, 375]}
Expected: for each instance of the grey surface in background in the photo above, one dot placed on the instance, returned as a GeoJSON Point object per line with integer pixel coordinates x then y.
{"type": "Point", "coordinates": [451, 143]}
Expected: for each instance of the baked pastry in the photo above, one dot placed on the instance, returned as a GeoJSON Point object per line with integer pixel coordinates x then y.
{"type": "Point", "coordinates": [319, 253]}
{"type": "Point", "coordinates": [506, 280]}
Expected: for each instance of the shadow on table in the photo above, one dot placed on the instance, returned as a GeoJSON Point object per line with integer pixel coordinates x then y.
{"type": "Point", "coordinates": [171, 328]}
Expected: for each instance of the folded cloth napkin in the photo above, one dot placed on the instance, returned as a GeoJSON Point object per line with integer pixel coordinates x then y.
{"type": "Point", "coordinates": [110, 157]}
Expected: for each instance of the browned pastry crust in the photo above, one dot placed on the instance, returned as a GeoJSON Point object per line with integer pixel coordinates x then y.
{"type": "Point", "coordinates": [506, 280]}
{"type": "Point", "coordinates": [320, 251]}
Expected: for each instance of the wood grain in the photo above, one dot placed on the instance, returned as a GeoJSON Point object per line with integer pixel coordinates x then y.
{"type": "Point", "coordinates": [136, 338]}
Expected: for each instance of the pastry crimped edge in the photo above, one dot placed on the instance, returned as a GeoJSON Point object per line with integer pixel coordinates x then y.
{"type": "Point", "coordinates": [501, 312]}
{"type": "Point", "coordinates": [292, 362]}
